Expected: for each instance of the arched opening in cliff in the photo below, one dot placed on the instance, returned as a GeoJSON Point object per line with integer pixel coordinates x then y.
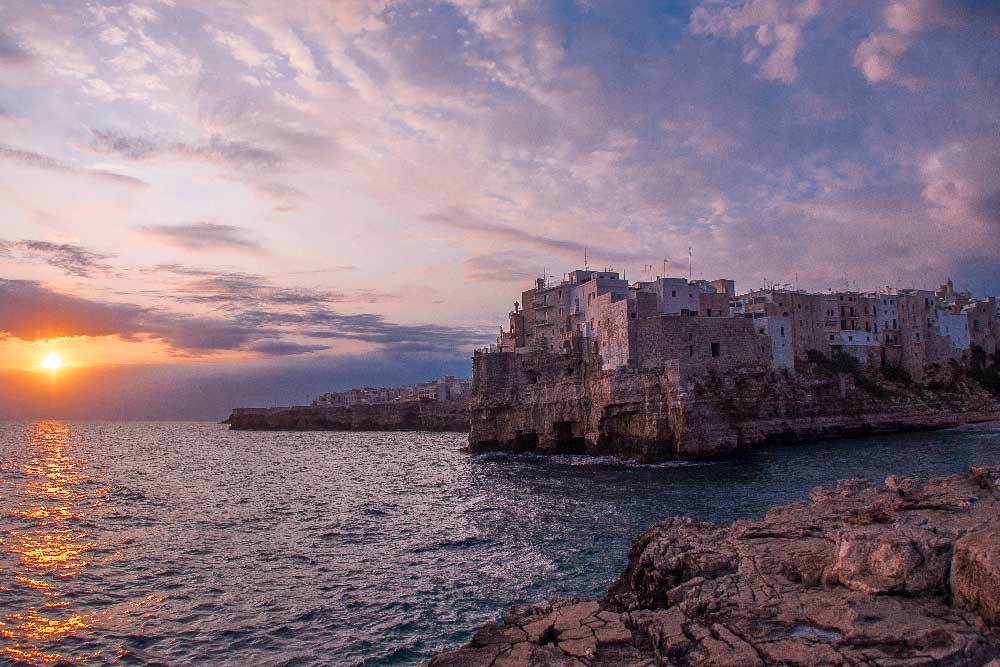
{"type": "Point", "coordinates": [524, 442]}
{"type": "Point", "coordinates": [567, 438]}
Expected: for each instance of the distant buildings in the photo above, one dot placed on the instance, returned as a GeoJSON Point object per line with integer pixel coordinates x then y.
{"type": "Point", "coordinates": [448, 388]}
{"type": "Point", "coordinates": [701, 325]}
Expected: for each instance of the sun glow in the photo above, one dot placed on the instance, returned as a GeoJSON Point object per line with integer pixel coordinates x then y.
{"type": "Point", "coordinates": [52, 362]}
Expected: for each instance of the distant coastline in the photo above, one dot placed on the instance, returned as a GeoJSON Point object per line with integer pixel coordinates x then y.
{"type": "Point", "coordinates": [420, 415]}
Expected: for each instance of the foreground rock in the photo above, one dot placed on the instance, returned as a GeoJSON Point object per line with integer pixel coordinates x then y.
{"type": "Point", "coordinates": [903, 575]}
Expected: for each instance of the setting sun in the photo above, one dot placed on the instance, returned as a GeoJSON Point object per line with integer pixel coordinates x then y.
{"type": "Point", "coordinates": [52, 362]}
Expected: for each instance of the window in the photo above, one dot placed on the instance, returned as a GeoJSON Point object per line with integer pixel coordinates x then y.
{"type": "Point", "coordinates": [831, 336]}
{"type": "Point", "coordinates": [690, 350]}
{"type": "Point", "coordinates": [715, 349]}
{"type": "Point", "coordinates": [782, 331]}
{"type": "Point", "coordinates": [673, 292]}
{"type": "Point", "coordinates": [850, 338]}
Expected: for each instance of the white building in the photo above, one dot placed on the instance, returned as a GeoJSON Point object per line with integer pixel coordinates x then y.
{"type": "Point", "coordinates": [779, 329]}
{"type": "Point", "coordinates": [956, 327]}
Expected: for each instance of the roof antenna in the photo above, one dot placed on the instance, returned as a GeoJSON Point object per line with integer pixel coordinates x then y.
{"type": "Point", "coordinates": [586, 267]}
{"type": "Point", "coordinates": [689, 264]}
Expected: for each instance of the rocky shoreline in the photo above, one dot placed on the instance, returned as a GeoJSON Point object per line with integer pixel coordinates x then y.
{"type": "Point", "coordinates": [548, 403]}
{"type": "Point", "coordinates": [901, 575]}
{"type": "Point", "coordinates": [402, 416]}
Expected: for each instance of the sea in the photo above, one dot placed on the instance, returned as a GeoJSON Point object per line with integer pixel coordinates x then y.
{"type": "Point", "coordinates": [188, 544]}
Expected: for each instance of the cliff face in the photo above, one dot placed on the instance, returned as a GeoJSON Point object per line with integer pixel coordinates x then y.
{"type": "Point", "coordinates": [904, 575]}
{"type": "Point", "coordinates": [403, 416]}
{"type": "Point", "coordinates": [564, 403]}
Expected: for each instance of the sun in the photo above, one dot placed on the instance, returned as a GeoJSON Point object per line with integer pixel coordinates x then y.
{"type": "Point", "coordinates": [52, 361]}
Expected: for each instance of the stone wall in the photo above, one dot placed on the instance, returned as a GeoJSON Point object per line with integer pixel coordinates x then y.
{"type": "Point", "coordinates": [615, 338]}
{"type": "Point", "coordinates": [701, 344]}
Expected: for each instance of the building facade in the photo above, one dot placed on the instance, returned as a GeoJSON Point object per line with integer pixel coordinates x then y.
{"type": "Point", "coordinates": [706, 325]}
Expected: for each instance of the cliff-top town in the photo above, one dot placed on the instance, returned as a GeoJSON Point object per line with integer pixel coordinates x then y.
{"type": "Point", "coordinates": [702, 324]}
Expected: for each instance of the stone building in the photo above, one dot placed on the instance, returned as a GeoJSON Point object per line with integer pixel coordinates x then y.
{"type": "Point", "coordinates": [687, 323]}
{"type": "Point", "coordinates": [598, 312]}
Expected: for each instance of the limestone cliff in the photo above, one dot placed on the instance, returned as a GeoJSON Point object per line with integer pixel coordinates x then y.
{"type": "Point", "coordinates": [898, 576]}
{"type": "Point", "coordinates": [400, 416]}
{"type": "Point", "coordinates": [549, 402]}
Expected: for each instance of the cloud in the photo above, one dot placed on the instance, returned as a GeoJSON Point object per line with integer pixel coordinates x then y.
{"type": "Point", "coordinates": [777, 28]}
{"type": "Point", "coordinates": [457, 218]}
{"type": "Point", "coordinates": [962, 185]}
{"type": "Point", "coordinates": [323, 323]}
{"type": "Point", "coordinates": [904, 20]}
{"type": "Point", "coordinates": [284, 348]}
{"type": "Point", "coordinates": [30, 311]}
{"type": "Point", "coordinates": [11, 53]}
{"type": "Point", "coordinates": [71, 259]}
{"type": "Point", "coordinates": [505, 267]}
{"type": "Point", "coordinates": [216, 150]}
{"type": "Point", "coordinates": [236, 291]}
{"type": "Point", "coordinates": [206, 237]}
{"type": "Point", "coordinates": [39, 161]}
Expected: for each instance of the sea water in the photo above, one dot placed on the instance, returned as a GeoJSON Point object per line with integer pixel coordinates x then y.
{"type": "Point", "coordinates": [189, 544]}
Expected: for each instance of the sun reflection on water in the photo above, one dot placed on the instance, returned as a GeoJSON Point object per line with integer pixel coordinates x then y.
{"type": "Point", "coordinates": [49, 549]}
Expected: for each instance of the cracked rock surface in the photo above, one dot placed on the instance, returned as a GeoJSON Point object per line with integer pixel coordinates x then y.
{"type": "Point", "coordinates": [903, 575]}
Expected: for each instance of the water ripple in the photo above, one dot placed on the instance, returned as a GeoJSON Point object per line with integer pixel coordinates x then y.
{"type": "Point", "coordinates": [187, 544]}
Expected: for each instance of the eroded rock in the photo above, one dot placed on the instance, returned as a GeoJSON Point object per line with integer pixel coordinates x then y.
{"type": "Point", "coordinates": [975, 572]}
{"type": "Point", "coordinates": [907, 574]}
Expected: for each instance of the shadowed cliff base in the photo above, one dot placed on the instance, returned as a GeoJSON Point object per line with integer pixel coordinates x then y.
{"type": "Point", "coordinates": [904, 574]}
{"type": "Point", "coordinates": [565, 403]}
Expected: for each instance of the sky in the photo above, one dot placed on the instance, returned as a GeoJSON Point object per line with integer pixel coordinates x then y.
{"type": "Point", "coordinates": [211, 204]}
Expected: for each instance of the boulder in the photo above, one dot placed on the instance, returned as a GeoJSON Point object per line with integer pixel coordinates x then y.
{"type": "Point", "coordinates": [975, 573]}
{"type": "Point", "coordinates": [879, 559]}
